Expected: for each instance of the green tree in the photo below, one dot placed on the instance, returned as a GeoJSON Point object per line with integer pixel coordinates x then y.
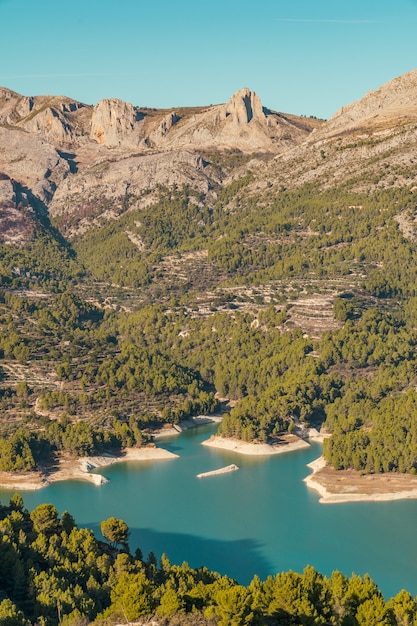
{"type": "Point", "coordinates": [115, 531]}
{"type": "Point", "coordinates": [132, 597]}
{"type": "Point", "coordinates": [373, 612]}
{"type": "Point", "coordinates": [10, 615]}
{"type": "Point", "coordinates": [45, 519]}
{"type": "Point", "coordinates": [403, 608]}
{"type": "Point", "coordinates": [16, 502]}
{"type": "Point", "coordinates": [233, 606]}
{"type": "Point", "coordinates": [170, 604]}
{"type": "Point", "coordinates": [67, 521]}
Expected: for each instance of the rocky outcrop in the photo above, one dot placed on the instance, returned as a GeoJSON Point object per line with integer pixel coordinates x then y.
{"type": "Point", "coordinates": [32, 162]}
{"type": "Point", "coordinates": [58, 120]}
{"type": "Point", "coordinates": [51, 125]}
{"type": "Point", "coordinates": [112, 122]}
{"type": "Point", "coordinates": [245, 106]}
{"type": "Point", "coordinates": [23, 108]}
{"type": "Point", "coordinates": [7, 198]}
{"type": "Point", "coordinates": [393, 103]}
{"type": "Point", "coordinates": [108, 184]}
{"type": "Point", "coordinates": [16, 223]}
{"type": "Point", "coordinates": [156, 137]}
{"type": "Point", "coordinates": [9, 100]}
{"type": "Point", "coordinates": [241, 124]}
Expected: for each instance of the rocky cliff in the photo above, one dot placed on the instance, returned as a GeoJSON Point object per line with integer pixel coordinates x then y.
{"type": "Point", "coordinates": [71, 158]}
{"type": "Point", "coordinates": [65, 157]}
{"type": "Point", "coordinates": [392, 105]}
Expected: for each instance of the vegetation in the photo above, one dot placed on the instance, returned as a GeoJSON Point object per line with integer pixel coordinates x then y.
{"type": "Point", "coordinates": [161, 314]}
{"type": "Point", "coordinates": [52, 572]}
{"type": "Point", "coordinates": [84, 343]}
{"type": "Point", "coordinates": [284, 307]}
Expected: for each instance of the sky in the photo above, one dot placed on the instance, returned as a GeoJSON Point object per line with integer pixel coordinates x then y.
{"type": "Point", "coordinates": [303, 57]}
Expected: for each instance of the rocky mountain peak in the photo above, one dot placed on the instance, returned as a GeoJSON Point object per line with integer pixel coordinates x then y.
{"type": "Point", "coordinates": [60, 161]}
{"type": "Point", "coordinates": [244, 106]}
{"type": "Point", "coordinates": [112, 121]}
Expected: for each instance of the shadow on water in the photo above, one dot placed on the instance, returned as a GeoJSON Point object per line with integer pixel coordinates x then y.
{"type": "Point", "coordinates": [240, 559]}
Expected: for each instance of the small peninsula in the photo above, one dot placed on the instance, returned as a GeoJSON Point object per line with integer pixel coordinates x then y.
{"type": "Point", "coordinates": [288, 443]}
{"type": "Point", "coordinates": [335, 486]}
{"type": "Point", "coordinates": [79, 468]}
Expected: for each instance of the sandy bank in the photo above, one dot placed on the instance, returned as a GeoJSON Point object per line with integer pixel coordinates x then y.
{"type": "Point", "coordinates": [193, 422]}
{"type": "Point", "coordinates": [148, 453]}
{"type": "Point", "coordinates": [288, 443]}
{"type": "Point", "coordinates": [22, 481]}
{"type": "Point", "coordinates": [69, 468]}
{"type": "Point", "coordinates": [336, 486]}
{"type": "Point", "coordinates": [221, 470]}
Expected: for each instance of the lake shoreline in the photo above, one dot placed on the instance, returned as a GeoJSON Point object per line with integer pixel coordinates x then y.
{"type": "Point", "coordinates": [79, 468]}
{"type": "Point", "coordinates": [288, 443]}
{"type": "Point", "coordinates": [338, 486]}
{"type": "Point", "coordinates": [192, 422]}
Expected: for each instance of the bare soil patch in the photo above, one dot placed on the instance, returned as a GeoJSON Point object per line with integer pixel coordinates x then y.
{"type": "Point", "coordinates": [350, 486]}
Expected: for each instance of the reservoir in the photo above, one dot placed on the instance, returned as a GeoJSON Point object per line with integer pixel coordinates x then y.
{"type": "Point", "coordinates": [261, 519]}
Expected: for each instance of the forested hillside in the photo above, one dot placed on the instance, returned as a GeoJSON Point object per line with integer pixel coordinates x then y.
{"type": "Point", "coordinates": [52, 572]}
{"type": "Point", "coordinates": [148, 279]}
{"type": "Point", "coordinates": [213, 305]}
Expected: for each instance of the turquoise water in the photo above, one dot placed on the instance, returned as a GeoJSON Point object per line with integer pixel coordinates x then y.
{"type": "Point", "coordinates": [261, 519]}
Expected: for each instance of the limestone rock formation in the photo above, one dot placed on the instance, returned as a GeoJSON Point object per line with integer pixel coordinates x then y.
{"type": "Point", "coordinates": [16, 224]}
{"type": "Point", "coordinates": [244, 106]}
{"type": "Point", "coordinates": [393, 103]}
{"type": "Point", "coordinates": [242, 124]}
{"type": "Point", "coordinates": [9, 100]}
{"type": "Point", "coordinates": [32, 162]}
{"type": "Point", "coordinates": [7, 199]}
{"type": "Point", "coordinates": [51, 125]}
{"type": "Point", "coordinates": [65, 157]}
{"type": "Point", "coordinates": [58, 120]}
{"type": "Point", "coordinates": [112, 122]}
{"type": "Point", "coordinates": [109, 182]}
{"type": "Point", "coordinates": [156, 136]}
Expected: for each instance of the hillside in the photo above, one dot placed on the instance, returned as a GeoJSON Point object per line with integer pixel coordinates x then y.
{"type": "Point", "coordinates": [160, 264]}
{"type": "Point", "coordinates": [156, 261]}
{"type": "Point", "coordinates": [53, 572]}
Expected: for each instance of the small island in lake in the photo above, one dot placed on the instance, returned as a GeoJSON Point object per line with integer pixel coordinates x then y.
{"type": "Point", "coordinates": [221, 470]}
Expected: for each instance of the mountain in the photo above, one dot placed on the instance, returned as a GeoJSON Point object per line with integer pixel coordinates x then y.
{"type": "Point", "coordinates": [392, 105]}
{"type": "Point", "coordinates": [128, 187]}
{"type": "Point", "coordinates": [70, 156]}
{"type": "Point", "coordinates": [73, 159]}
{"type": "Point", "coordinates": [156, 265]}
{"type": "Point", "coordinates": [368, 145]}
{"type": "Point", "coordinates": [150, 259]}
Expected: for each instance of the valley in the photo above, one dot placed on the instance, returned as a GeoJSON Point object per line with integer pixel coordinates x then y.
{"type": "Point", "coordinates": [158, 265]}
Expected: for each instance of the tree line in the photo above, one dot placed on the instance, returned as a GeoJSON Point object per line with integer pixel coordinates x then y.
{"type": "Point", "coordinates": [54, 573]}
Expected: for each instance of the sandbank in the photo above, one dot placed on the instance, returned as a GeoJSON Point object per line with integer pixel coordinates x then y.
{"type": "Point", "coordinates": [288, 443]}
{"type": "Point", "coordinates": [22, 481]}
{"type": "Point", "coordinates": [336, 486]}
{"type": "Point", "coordinates": [193, 422]}
{"type": "Point", "coordinates": [221, 470]}
{"type": "Point", "coordinates": [70, 468]}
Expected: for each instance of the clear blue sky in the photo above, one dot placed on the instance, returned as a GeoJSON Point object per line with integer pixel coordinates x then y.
{"type": "Point", "coordinates": [300, 56]}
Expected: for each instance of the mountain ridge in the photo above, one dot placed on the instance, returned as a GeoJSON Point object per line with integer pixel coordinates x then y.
{"type": "Point", "coordinates": [68, 156]}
